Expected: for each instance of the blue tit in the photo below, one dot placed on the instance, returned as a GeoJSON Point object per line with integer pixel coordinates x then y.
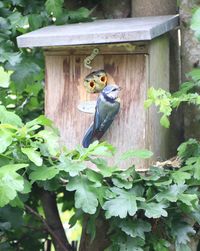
{"type": "Point", "coordinates": [107, 107]}
{"type": "Point", "coordinates": [95, 81]}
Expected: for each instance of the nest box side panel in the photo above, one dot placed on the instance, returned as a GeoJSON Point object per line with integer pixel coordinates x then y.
{"type": "Point", "coordinates": [158, 78]}
{"type": "Point", "coordinates": [65, 90]}
{"type": "Point", "coordinates": [129, 129]}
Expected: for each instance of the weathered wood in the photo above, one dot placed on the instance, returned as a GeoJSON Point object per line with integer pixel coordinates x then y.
{"type": "Point", "coordinates": [133, 128]}
{"type": "Point", "coordinates": [65, 90]}
{"type": "Point", "coordinates": [158, 136]}
{"type": "Point", "coordinates": [111, 49]}
{"type": "Point", "coordinates": [100, 31]}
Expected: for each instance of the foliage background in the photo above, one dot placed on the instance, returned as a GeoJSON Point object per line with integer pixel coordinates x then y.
{"type": "Point", "coordinates": [32, 162]}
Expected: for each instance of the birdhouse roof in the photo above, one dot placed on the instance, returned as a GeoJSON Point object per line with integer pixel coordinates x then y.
{"type": "Point", "coordinates": [100, 32]}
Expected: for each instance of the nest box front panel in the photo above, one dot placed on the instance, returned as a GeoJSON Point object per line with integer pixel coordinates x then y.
{"type": "Point", "coordinates": [65, 91]}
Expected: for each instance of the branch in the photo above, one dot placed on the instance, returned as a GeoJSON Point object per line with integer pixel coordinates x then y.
{"type": "Point", "coordinates": [48, 228]}
{"type": "Point", "coordinates": [49, 204]}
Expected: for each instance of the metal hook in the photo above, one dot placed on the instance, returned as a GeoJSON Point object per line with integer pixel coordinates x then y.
{"type": "Point", "coordinates": [88, 60]}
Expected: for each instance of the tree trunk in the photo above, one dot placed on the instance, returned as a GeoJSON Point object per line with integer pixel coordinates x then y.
{"type": "Point", "coordinates": [190, 54]}
{"type": "Point", "coordinates": [153, 7]}
{"type": "Point", "coordinates": [101, 240]}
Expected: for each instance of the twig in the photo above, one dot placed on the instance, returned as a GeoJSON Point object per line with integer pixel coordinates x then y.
{"type": "Point", "coordinates": [48, 228]}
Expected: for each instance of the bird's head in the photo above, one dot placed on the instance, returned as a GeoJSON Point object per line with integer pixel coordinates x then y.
{"type": "Point", "coordinates": [111, 91]}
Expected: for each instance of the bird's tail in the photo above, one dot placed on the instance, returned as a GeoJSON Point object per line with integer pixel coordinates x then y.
{"type": "Point", "coordinates": [88, 137]}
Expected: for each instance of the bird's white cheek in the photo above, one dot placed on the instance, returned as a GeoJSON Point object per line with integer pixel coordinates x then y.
{"type": "Point", "coordinates": [114, 95]}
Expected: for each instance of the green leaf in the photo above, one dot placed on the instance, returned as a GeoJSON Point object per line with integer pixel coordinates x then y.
{"type": "Point", "coordinates": [33, 155]}
{"type": "Point", "coordinates": [189, 149]}
{"type": "Point", "coordinates": [102, 192]}
{"type": "Point", "coordinates": [11, 168]}
{"type": "Point", "coordinates": [54, 7]}
{"type": "Point", "coordinates": [27, 187]}
{"type": "Point", "coordinates": [164, 121]}
{"type": "Point", "coordinates": [10, 182]}
{"type": "Point", "coordinates": [142, 154]}
{"type": "Point", "coordinates": [35, 21]}
{"type": "Point", "coordinates": [182, 247]}
{"type": "Point", "coordinates": [154, 210]}
{"type": "Point", "coordinates": [101, 150]}
{"type": "Point", "coordinates": [96, 148]}
{"type": "Point", "coordinates": [171, 193]}
{"type": "Point", "coordinates": [194, 164]}
{"type": "Point", "coordinates": [188, 199]}
{"type": "Point", "coordinates": [80, 15]}
{"type": "Point", "coordinates": [91, 226]}
{"type": "Point", "coordinates": [181, 232]}
{"type": "Point", "coordinates": [122, 183]}
{"type": "Point", "coordinates": [105, 170]}
{"type": "Point", "coordinates": [85, 195]}
{"type": "Point", "coordinates": [5, 140]}
{"type": "Point", "coordinates": [16, 202]}
{"type": "Point", "coordinates": [44, 173]}
{"type": "Point", "coordinates": [7, 117]}
{"type": "Point", "coordinates": [148, 103]}
{"type": "Point", "coordinates": [161, 245]}
{"type": "Point", "coordinates": [51, 141]}
{"type": "Point", "coordinates": [131, 244]}
{"type": "Point", "coordinates": [26, 73]}
{"type": "Point", "coordinates": [5, 26]}
{"type": "Point", "coordinates": [163, 181]}
{"type": "Point", "coordinates": [180, 177]}
{"type": "Point", "coordinates": [195, 73]}
{"type": "Point", "coordinates": [73, 167]}
{"type": "Point", "coordinates": [195, 22]}
{"type": "Point", "coordinates": [94, 177]}
{"type": "Point", "coordinates": [12, 57]}
{"type": "Point", "coordinates": [4, 78]}
{"type": "Point", "coordinates": [12, 215]}
{"type": "Point", "coordinates": [41, 120]}
{"type": "Point", "coordinates": [123, 204]}
{"type": "Point", "coordinates": [135, 228]}
{"type": "Point", "coordinates": [18, 21]}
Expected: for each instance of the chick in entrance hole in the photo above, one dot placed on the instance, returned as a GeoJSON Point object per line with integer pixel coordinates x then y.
{"type": "Point", "coordinates": [95, 81]}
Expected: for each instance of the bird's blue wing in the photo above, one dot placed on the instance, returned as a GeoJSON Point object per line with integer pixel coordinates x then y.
{"type": "Point", "coordinates": [88, 136]}
{"type": "Point", "coordinates": [97, 118]}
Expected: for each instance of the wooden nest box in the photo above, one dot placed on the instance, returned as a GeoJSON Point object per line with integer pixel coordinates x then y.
{"type": "Point", "coordinates": [135, 54]}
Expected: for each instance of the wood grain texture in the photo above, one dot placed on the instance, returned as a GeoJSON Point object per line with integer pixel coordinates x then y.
{"type": "Point", "coordinates": [64, 91]}
{"type": "Point", "coordinates": [100, 31]}
{"type": "Point", "coordinates": [133, 128]}
{"type": "Point", "coordinates": [110, 49]}
{"type": "Point", "coordinates": [158, 136]}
